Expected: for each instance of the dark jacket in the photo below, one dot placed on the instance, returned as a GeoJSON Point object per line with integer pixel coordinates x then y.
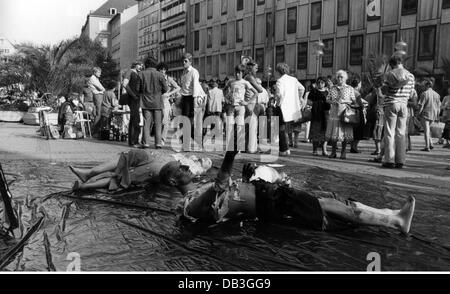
{"type": "Point", "coordinates": [153, 85]}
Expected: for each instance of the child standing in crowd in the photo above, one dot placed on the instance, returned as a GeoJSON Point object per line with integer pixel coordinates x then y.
{"type": "Point", "coordinates": [446, 118]}
{"type": "Point", "coordinates": [235, 99]}
{"type": "Point", "coordinates": [109, 103]}
{"type": "Point", "coordinates": [215, 101]}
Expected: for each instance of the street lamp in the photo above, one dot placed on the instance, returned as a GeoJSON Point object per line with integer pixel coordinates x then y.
{"type": "Point", "coordinates": [318, 51]}
{"type": "Point", "coordinates": [268, 74]}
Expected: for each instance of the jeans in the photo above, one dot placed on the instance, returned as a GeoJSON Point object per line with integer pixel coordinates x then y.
{"type": "Point", "coordinates": [98, 100]}
{"type": "Point", "coordinates": [187, 109]}
{"type": "Point", "coordinates": [395, 117]}
{"type": "Point", "coordinates": [152, 119]}
{"type": "Point", "coordinates": [427, 132]}
{"type": "Point", "coordinates": [134, 128]}
{"type": "Point", "coordinates": [252, 133]}
{"type": "Point", "coordinates": [285, 130]}
{"type": "Point", "coordinates": [166, 120]}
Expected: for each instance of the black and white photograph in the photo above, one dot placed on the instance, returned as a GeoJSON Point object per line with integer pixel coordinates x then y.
{"type": "Point", "coordinates": [224, 137]}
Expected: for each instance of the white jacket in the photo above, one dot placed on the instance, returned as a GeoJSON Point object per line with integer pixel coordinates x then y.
{"type": "Point", "coordinates": [288, 91]}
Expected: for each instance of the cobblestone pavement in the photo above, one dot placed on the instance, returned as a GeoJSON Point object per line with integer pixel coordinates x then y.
{"type": "Point", "coordinates": [37, 167]}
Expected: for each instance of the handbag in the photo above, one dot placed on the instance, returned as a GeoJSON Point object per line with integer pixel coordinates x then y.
{"type": "Point", "coordinates": [306, 114]}
{"type": "Point", "coordinates": [437, 129]}
{"type": "Point", "coordinates": [124, 99]}
{"type": "Point", "coordinates": [351, 115]}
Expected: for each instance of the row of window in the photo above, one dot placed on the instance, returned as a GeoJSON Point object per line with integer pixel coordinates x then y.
{"type": "Point", "coordinates": [426, 49]}
{"type": "Point", "coordinates": [148, 39]}
{"type": "Point", "coordinates": [223, 35]}
{"type": "Point", "coordinates": [174, 32]}
{"type": "Point", "coordinates": [174, 9]}
{"type": "Point", "coordinates": [343, 7]}
{"type": "Point", "coordinates": [149, 20]}
{"type": "Point", "coordinates": [145, 4]}
{"type": "Point", "coordinates": [224, 8]}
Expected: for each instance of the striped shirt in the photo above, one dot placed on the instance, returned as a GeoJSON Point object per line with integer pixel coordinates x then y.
{"type": "Point", "coordinates": [401, 83]}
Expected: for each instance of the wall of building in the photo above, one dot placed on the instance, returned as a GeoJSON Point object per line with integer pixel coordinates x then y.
{"type": "Point", "coordinates": [173, 30]}
{"type": "Point", "coordinates": [286, 30]}
{"type": "Point", "coordinates": [128, 37]}
{"type": "Point", "coordinates": [148, 29]}
{"type": "Point", "coordinates": [115, 37]}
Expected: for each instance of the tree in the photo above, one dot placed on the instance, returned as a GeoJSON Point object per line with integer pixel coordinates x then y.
{"type": "Point", "coordinates": [60, 69]}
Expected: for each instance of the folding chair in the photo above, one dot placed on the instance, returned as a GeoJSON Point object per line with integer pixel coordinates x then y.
{"type": "Point", "coordinates": [84, 119]}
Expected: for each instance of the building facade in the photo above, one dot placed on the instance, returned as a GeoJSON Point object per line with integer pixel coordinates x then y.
{"type": "Point", "coordinates": [148, 29]}
{"type": "Point", "coordinates": [96, 25]}
{"type": "Point", "coordinates": [272, 31]}
{"type": "Point", "coordinates": [173, 34]}
{"type": "Point", "coordinates": [114, 38]}
{"type": "Point", "coordinates": [128, 37]}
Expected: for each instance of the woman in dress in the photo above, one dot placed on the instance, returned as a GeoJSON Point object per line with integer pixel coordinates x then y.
{"type": "Point", "coordinates": [358, 129]}
{"type": "Point", "coordinates": [339, 97]}
{"type": "Point", "coordinates": [67, 118]}
{"type": "Point", "coordinates": [319, 114]}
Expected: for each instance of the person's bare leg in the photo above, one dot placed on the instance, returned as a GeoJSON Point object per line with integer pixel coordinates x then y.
{"type": "Point", "coordinates": [85, 174]}
{"type": "Point", "coordinates": [324, 149]}
{"type": "Point", "coordinates": [100, 184]}
{"type": "Point", "coordinates": [365, 215]}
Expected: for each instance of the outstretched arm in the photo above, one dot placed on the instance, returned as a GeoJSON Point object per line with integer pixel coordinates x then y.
{"type": "Point", "coordinates": [224, 174]}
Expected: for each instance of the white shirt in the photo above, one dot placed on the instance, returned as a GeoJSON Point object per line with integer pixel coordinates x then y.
{"type": "Point", "coordinates": [190, 82]}
{"type": "Point", "coordinates": [216, 99]}
{"type": "Point", "coordinates": [95, 85]}
{"type": "Point", "coordinates": [288, 92]}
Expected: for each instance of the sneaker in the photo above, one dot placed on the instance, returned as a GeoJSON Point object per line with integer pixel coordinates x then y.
{"type": "Point", "coordinates": [399, 165]}
{"type": "Point", "coordinates": [388, 165]}
{"type": "Point", "coordinates": [286, 153]}
{"type": "Point", "coordinates": [145, 146]}
{"type": "Point", "coordinates": [426, 150]}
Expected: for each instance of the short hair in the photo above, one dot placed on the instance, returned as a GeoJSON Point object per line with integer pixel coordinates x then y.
{"type": "Point", "coordinates": [321, 79]}
{"type": "Point", "coordinates": [110, 84]}
{"type": "Point", "coordinates": [162, 66]}
{"type": "Point", "coordinates": [355, 81]}
{"type": "Point", "coordinates": [395, 60]}
{"type": "Point", "coordinates": [282, 68]}
{"type": "Point", "coordinates": [187, 56]}
{"type": "Point", "coordinates": [150, 62]}
{"type": "Point", "coordinates": [96, 69]}
{"type": "Point", "coordinates": [240, 68]}
{"type": "Point", "coordinates": [136, 63]}
{"type": "Point", "coordinates": [343, 72]}
{"type": "Point", "coordinates": [427, 82]}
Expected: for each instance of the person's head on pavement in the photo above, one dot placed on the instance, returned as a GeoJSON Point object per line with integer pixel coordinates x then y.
{"type": "Point", "coordinates": [175, 174]}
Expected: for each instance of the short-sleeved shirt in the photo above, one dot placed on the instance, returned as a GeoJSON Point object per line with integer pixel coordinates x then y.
{"type": "Point", "coordinates": [238, 89]}
{"type": "Point", "coordinates": [215, 100]}
{"type": "Point", "coordinates": [108, 104]}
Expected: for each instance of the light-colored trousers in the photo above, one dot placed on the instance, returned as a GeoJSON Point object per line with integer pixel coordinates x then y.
{"type": "Point", "coordinates": [395, 117]}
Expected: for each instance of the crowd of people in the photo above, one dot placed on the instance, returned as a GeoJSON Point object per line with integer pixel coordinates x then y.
{"type": "Point", "coordinates": [334, 111]}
